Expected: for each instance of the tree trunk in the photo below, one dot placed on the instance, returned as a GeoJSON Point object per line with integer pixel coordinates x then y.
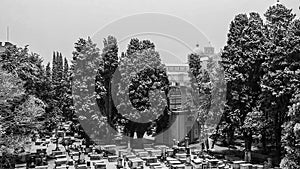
{"type": "Point", "coordinates": [109, 101]}
{"type": "Point", "coordinates": [264, 140]}
{"type": "Point", "coordinates": [278, 137]}
{"type": "Point", "coordinates": [248, 145]}
{"type": "Point", "coordinates": [230, 135]}
{"type": "Point", "coordinates": [278, 141]}
{"type": "Point", "coordinates": [108, 108]}
{"type": "Point", "coordinates": [215, 139]}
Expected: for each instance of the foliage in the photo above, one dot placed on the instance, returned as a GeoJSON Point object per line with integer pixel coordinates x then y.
{"type": "Point", "coordinates": [20, 116]}
{"type": "Point", "coordinates": [142, 90]}
{"type": "Point", "coordinates": [85, 65]}
{"type": "Point", "coordinates": [279, 68]}
{"type": "Point", "coordinates": [201, 88]}
{"type": "Point", "coordinates": [291, 135]}
{"type": "Point", "coordinates": [242, 58]}
{"type": "Point", "coordinates": [107, 68]}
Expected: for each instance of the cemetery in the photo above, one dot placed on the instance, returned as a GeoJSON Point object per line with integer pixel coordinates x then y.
{"type": "Point", "coordinates": [45, 153]}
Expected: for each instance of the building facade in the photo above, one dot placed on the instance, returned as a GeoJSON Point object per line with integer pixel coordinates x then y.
{"type": "Point", "coordinates": [185, 123]}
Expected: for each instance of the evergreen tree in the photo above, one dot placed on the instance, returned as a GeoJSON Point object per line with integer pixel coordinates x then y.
{"type": "Point", "coordinates": [19, 117]}
{"type": "Point", "coordinates": [291, 138]}
{"type": "Point", "coordinates": [278, 73]}
{"type": "Point", "coordinates": [54, 67]}
{"type": "Point", "coordinates": [66, 69]}
{"type": "Point", "coordinates": [136, 45]}
{"type": "Point", "coordinates": [85, 65]}
{"type": "Point", "coordinates": [201, 92]}
{"type": "Point", "coordinates": [48, 71]}
{"type": "Point", "coordinates": [242, 59]}
{"type": "Point", "coordinates": [109, 64]}
{"type": "Point", "coordinates": [291, 128]}
{"type": "Point", "coordinates": [144, 77]}
{"type": "Point", "coordinates": [60, 68]}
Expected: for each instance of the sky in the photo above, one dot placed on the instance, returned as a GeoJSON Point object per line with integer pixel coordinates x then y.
{"type": "Point", "coordinates": [55, 25]}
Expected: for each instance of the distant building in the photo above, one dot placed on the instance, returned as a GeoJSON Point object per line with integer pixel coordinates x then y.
{"type": "Point", "coordinates": [185, 123]}
{"type": "Point", "coordinates": [209, 51]}
{"type": "Point", "coordinates": [178, 74]}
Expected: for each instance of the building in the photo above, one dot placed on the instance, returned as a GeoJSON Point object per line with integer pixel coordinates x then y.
{"type": "Point", "coordinates": [178, 74]}
{"type": "Point", "coordinates": [185, 123]}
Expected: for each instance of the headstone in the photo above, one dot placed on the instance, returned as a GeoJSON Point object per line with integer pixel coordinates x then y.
{"type": "Point", "coordinates": [236, 164]}
{"type": "Point", "coordinates": [245, 166]}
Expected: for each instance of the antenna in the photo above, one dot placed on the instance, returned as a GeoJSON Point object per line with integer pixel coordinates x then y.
{"type": "Point", "coordinates": [7, 33]}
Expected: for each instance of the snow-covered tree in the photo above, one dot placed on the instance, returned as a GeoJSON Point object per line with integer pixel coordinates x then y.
{"type": "Point", "coordinates": [20, 117]}
{"type": "Point", "coordinates": [291, 135]}
{"type": "Point", "coordinates": [279, 69]}
{"type": "Point", "coordinates": [143, 89]}
{"type": "Point", "coordinates": [242, 59]}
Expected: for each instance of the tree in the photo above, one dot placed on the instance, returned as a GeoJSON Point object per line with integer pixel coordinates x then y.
{"type": "Point", "coordinates": [48, 71]}
{"type": "Point", "coordinates": [291, 135]}
{"type": "Point", "coordinates": [201, 93]}
{"type": "Point", "coordinates": [136, 45]}
{"type": "Point", "coordinates": [85, 66]}
{"type": "Point", "coordinates": [66, 69]}
{"type": "Point", "coordinates": [109, 64]}
{"type": "Point", "coordinates": [144, 77]}
{"type": "Point", "coordinates": [208, 90]}
{"type": "Point", "coordinates": [27, 65]}
{"type": "Point", "coordinates": [54, 67]}
{"type": "Point", "coordinates": [60, 67]}
{"type": "Point", "coordinates": [242, 59]}
{"type": "Point", "coordinates": [20, 117]}
{"type": "Point", "coordinates": [11, 89]}
{"type": "Point", "coordinates": [278, 69]}
{"type": "Point", "coordinates": [291, 127]}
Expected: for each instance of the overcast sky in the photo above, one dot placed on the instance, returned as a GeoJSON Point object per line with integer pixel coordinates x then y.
{"type": "Point", "coordinates": [54, 25]}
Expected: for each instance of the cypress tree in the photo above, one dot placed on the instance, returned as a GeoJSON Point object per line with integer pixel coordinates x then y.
{"type": "Point", "coordinates": [54, 67]}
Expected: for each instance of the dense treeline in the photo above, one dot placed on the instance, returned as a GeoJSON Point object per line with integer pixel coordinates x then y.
{"type": "Point", "coordinates": [138, 71]}
{"type": "Point", "coordinates": [262, 63]}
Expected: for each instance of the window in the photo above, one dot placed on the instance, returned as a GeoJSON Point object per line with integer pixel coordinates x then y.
{"type": "Point", "coordinates": [175, 98]}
